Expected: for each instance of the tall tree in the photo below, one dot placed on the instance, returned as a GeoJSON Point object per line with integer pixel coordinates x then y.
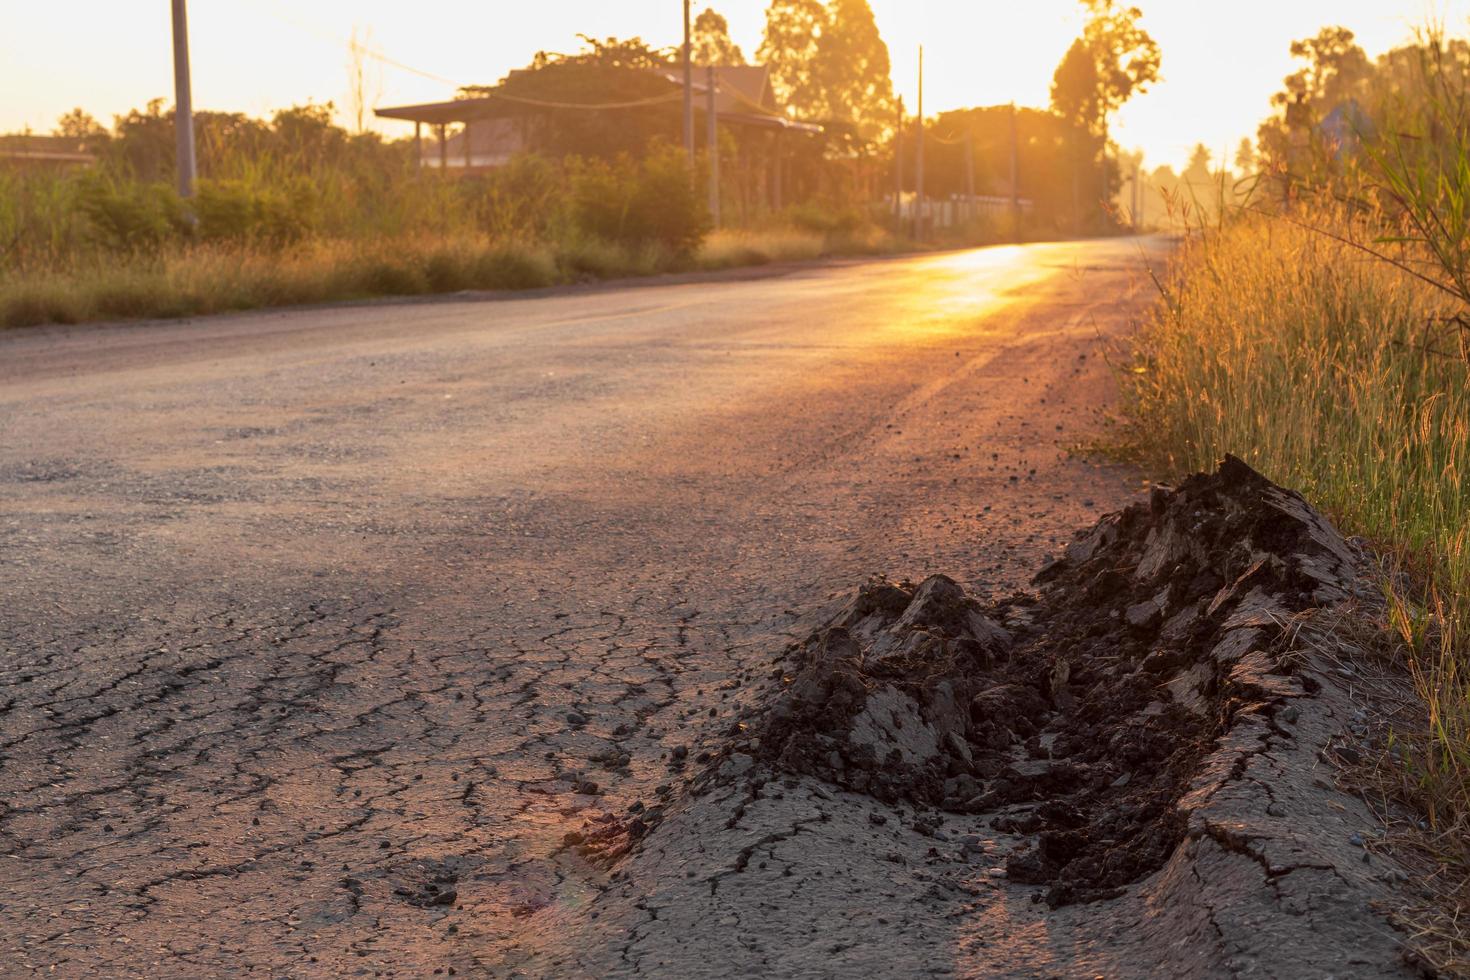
{"type": "Point", "coordinates": [1124, 62]}
{"type": "Point", "coordinates": [1113, 60]}
{"type": "Point", "coordinates": [711, 40]}
{"type": "Point", "coordinates": [1336, 71]}
{"type": "Point", "coordinates": [793, 33]}
{"type": "Point", "coordinates": [852, 70]}
{"type": "Point", "coordinates": [79, 125]}
{"type": "Point", "coordinates": [1245, 158]}
{"type": "Point", "coordinates": [1075, 87]}
{"type": "Point", "coordinates": [1197, 173]}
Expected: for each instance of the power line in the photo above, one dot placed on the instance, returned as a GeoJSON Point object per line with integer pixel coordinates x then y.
{"type": "Point", "coordinates": [545, 104]}
{"type": "Point", "coordinates": [368, 52]}
{"type": "Point", "coordinates": [392, 62]}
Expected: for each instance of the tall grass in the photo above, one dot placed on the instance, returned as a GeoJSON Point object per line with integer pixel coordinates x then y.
{"type": "Point", "coordinates": [1283, 340]}
{"type": "Point", "coordinates": [271, 228]}
{"type": "Point", "coordinates": [1323, 367]}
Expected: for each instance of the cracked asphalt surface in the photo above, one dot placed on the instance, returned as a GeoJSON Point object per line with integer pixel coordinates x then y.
{"type": "Point", "coordinates": [323, 627]}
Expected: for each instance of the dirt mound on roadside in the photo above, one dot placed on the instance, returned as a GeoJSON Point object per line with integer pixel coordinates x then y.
{"type": "Point", "coordinates": [1082, 714]}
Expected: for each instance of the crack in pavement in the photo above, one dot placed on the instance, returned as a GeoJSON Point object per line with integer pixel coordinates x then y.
{"type": "Point", "coordinates": [281, 614]}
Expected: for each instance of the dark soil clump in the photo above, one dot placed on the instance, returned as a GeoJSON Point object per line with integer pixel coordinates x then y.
{"type": "Point", "coordinates": [1079, 714]}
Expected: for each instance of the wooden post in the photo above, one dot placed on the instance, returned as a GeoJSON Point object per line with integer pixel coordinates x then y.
{"type": "Point", "coordinates": [418, 144]}
{"type": "Point", "coordinates": [468, 160]}
{"type": "Point", "coordinates": [443, 149]}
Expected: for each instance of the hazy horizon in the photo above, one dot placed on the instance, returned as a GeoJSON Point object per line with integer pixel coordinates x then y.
{"type": "Point", "coordinates": [255, 56]}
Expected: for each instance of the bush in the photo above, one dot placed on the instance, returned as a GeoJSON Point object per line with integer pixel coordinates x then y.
{"type": "Point", "coordinates": [637, 204]}
{"type": "Point", "coordinates": [236, 211]}
{"type": "Point", "coordinates": [127, 216]}
{"type": "Point", "coordinates": [832, 220]}
{"type": "Point", "coordinates": [522, 200]}
{"type": "Point", "coordinates": [513, 268]}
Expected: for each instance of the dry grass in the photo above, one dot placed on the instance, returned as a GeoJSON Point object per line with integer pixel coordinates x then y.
{"type": "Point", "coordinates": [728, 248]}
{"type": "Point", "coordinates": [1334, 373]}
{"type": "Point", "coordinates": [207, 279]}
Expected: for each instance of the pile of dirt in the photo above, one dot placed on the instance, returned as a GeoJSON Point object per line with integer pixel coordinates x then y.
{"type": "Point", "coordinates": [1080, 714]}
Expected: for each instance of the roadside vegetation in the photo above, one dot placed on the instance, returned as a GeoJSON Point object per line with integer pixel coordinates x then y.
{"type": "Point", "coordinates": [1322, 332]}
{"type": "Point", "coordinates": [349, 219]}
{"type": "Point", "coordinates": [296, 209]}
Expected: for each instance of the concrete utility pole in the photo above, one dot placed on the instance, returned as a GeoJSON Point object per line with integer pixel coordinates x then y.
{"type": "Point", "coordinates": [183, 103]}
{"type": "Point", "coordinates": [1015, 178]}
{"type": "Point", "coordinates": [688, 90]}
{"type": "Point", "coordinates": [714, 145]}
{"type": "Point", "coordinates": [898, 169]}
{"type": "Point", "coordinates": [919, 158]}
{"type": "Point", "coordinates": [969, 175]}
{"type": "Point", "coordinates": [1138, 198]}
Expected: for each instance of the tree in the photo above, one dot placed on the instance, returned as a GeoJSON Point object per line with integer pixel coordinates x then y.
{"type": "Point", "coordinates": [1124, 61]}
{"type": "Point", "coordinates": [80, 125]}
{"type": "Point", "coordinates": [1112, 61]}
{"type": "Point", "coordinates": [1245, 158]}
{"type": "Point", "coordinates": [555, 99]}
{"type": "Point", "coordinates": [852, 71]}
{"type": "Point", "coordinates": [711, 42]}
{"type": "Point", "coordinates": [1335, 73]}
{"type": "Point", "coordinates": [1197, 173]}
{"type": "Point", "coordinates": [793, 33]}
{"type": "Point", "coordinates": [1075, 89]}
{"type": "Point", "coordinates": [1127, 56]}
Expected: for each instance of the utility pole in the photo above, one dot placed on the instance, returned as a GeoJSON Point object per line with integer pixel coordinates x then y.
{"type": "Point", "coordinates": [1015, 178]}
{"type": "Point", "coordinates": [714, 145]}
{"type": "Point", "coordinates": [1133, 198]}
{"type": "Point", "coordinates": [919, 158]}
{"type": "Point", "coordinates": [898, 170]}
{"type": "Point", "coordinates": [1138, 196]}
{"type": "Point", "coordinates": [183, 103]}
{"type": "Point", "coordinates": [969, 175]}
{"type": "Point", "coordinates": [688, 91]}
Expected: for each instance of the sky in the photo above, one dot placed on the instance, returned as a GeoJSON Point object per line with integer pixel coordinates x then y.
{"type": "Point", "coordinates": [1220, 62]}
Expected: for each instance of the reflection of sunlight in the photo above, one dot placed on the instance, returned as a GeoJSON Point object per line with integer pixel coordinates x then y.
{"type": "Point", "coordinates": [947, 295]}
{"type": "Point", "coordinates": [982, 258]}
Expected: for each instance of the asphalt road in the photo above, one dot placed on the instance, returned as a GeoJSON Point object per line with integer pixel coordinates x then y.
{"type": "Point", "coordinates": [321, 627]}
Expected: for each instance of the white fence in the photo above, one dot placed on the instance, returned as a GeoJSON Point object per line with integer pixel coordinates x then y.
{"type": "Point", "coordinates": [956, 209]}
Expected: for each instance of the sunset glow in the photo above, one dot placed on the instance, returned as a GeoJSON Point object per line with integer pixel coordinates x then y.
{"type": "Point", "coordinates": [1219, 69]}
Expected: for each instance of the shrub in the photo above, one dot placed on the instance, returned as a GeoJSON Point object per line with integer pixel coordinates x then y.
{"type": "Point", "coordinates": [237, 211]}
{"type": "Point", "coordinates": [637, 204]}
{"type": "Point", "coordinates": [511, 267]}
{"type": "Point", "coordinates": [522, 200]}
{"type": "Point", "coordinates": [130, 217]}
{"type": "Point", "coordinates": [832, 220]}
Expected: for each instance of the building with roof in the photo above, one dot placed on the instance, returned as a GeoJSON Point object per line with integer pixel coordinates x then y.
{"type": "Point", "coordinates": [487, 128]}
{"type": "Point", "coordinates": [486, 131]}
{"type": "Point", "coordinates": [50, 152]}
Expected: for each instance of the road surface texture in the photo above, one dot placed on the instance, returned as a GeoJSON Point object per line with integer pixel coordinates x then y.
{"type": "Point", "coordinates": [323, 628]}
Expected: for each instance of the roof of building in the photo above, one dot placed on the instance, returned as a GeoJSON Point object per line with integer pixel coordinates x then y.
{"type": "Point", "coordinates": [44, 149]}
{"type": "Point", "coordinates": [742, 96]}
